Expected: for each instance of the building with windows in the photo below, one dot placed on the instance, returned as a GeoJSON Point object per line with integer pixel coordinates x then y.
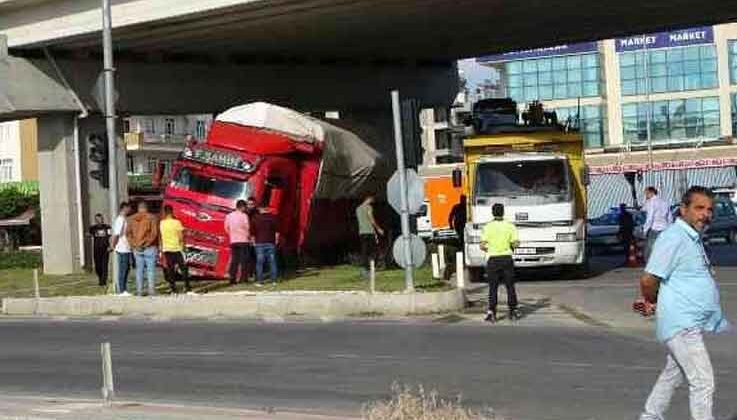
{"type": "Point", "coordinates": [655, 109]}
{"type": "Point", "coordinates": [18, 151]}
{"type": "Point", "coordinates": [158, 139]}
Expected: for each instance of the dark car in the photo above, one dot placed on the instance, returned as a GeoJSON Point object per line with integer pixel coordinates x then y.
{"type": "Point", "coordinates": [603, 231]}
{"type": "Point", "coordinates": [724, 223]}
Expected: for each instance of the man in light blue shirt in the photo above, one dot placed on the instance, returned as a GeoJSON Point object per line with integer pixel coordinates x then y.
{"type": "Point", "coordinates": [678, 286]}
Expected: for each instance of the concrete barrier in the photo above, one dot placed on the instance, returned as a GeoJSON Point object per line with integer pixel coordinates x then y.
{"type": "Point", "coordinates": [242, 304]}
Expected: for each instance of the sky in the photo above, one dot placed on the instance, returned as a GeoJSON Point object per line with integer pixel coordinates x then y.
{"type": "Point", "coordinates": [475, 73]}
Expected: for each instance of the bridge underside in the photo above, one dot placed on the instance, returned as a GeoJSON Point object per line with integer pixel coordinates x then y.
{"type": "Point", "coordinates": [345, 29]}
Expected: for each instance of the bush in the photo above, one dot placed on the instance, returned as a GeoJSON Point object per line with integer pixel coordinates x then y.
{"type": "Point", "coordinates": [410, 404]}
{"type": "Point", "coordinates": [14, 201]}
{"type": "Point", "coordinates": [20, 259]}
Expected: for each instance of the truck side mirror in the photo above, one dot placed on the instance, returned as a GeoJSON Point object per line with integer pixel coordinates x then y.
{"type": "Point", "coordinates": [457, 178]}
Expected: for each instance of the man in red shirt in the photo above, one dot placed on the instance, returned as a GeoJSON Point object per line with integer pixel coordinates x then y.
{"type": "Point", "coordinates": [265, 237]}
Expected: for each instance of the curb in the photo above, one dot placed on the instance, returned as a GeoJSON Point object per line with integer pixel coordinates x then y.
{"type": "Point", "coordinates": [242, 304]}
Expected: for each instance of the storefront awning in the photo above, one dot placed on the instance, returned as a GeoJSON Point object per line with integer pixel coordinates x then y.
{"type": "Point", "coordinates": [23, 219]}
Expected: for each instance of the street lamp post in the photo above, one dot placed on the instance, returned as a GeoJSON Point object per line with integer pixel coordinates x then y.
{"type": "Point", "coordinates": [109, 112]}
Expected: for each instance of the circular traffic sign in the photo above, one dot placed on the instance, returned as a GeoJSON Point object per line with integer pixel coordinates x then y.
{"type": "Point", "coordinates": [417, 249]}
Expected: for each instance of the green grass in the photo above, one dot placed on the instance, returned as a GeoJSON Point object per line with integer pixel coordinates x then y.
{"type": "Point", "coordinates": [18, 282]}
{"type": "Point", "coordinates": [347, 277]}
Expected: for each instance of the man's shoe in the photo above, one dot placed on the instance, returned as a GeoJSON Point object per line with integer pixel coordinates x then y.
{"type": "Point", "coordinates": [514, 315]}
{"type": "Point", "coordinates": [490, 317]}
{"type": "Point", "coordinates": [124, 294]}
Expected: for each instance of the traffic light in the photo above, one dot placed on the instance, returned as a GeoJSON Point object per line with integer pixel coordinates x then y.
{"type": "Point", "coordinates": [99, 156]}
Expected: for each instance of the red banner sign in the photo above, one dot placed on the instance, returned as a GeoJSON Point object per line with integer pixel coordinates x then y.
{"type": "Point", "coordinates": [664, 166]}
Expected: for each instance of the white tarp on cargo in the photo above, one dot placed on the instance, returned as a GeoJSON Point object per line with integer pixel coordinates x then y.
{"type": "Point", "coordinates": [349, 165]}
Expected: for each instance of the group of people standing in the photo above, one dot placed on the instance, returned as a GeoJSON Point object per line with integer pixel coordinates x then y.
{"type": "Point", "coordinates": [136, 240]}
{"type": "Point", "coordinates": [253, 237]}
{"type": "Point", "coordinates": [139, 240]}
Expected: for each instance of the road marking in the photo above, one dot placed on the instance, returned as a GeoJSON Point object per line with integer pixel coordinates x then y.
{"type": "Point", "coordinates": [51, 411]}
{"type": "Point", "coordinates": [343, 356]}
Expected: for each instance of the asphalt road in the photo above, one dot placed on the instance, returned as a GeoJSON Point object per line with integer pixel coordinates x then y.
{"type": "Point", "coordinates": [523, 372]}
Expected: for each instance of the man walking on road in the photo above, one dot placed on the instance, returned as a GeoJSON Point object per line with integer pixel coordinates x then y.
{"type": "Point", "coordinates": [498, 240]}
{"type": "Point", "coordinates": [658, 218]}
{"type": "Point", "coordinates": [143, 236]}
{"type": "Point", "coordinates": [265, 238]}
{"type": "Point", "coordinates": [368, 229]}
{"type": "Point", "coordinates": [679, 287]}
{"type": "Point", "coordinates": [100, 233]}
{"type": "Point", "coordinates": [172, 246]}
{"type": "Point", "coordinates": [119, 244]}
{"type": "Point", "coordinates": [237, 226]}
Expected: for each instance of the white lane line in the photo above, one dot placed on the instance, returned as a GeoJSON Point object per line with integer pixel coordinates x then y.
{"type": "Point", "coordinates": [343, 356]}
{"type": "Point", "coordinates": [51, 411]}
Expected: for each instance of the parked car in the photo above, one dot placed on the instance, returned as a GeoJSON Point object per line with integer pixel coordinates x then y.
{"type": "Point", "coordinates": [603, 231]}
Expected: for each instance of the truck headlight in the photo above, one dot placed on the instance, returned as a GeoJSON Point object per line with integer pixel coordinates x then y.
{"type": "Point", "coordinates": [566, 237]}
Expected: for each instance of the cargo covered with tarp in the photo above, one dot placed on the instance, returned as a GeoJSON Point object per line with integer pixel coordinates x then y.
{"type": "Point", "coordinates": [349, 167]}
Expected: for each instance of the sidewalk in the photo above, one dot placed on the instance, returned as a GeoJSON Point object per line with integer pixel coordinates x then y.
{"type": "Point", "coordinates": [37, 408]}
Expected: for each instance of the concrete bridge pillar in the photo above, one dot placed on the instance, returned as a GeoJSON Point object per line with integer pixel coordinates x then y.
{"type": "Point", "coordinates": [59, 208]}
{"type": "Point", "coordinates": [69, 197]}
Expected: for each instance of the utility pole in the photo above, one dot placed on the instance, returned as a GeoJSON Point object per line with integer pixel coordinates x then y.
{"type": "Point", "coordinates": [404, 214]}
{"type": "Point", "coordinates": [109, 112]}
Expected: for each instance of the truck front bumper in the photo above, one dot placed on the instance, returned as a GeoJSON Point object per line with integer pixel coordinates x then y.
{"type": "Point", "coordinates": [534, 254]}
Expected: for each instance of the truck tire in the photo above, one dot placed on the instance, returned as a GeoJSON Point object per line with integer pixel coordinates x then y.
{"type": "Point", "coordinates": [474, 274]}
{"type": "Point", "coordinates": [583, 270]}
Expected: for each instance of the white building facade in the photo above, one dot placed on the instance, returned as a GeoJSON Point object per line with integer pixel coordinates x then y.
{"type": "Point", "coordinates": [158, 139]}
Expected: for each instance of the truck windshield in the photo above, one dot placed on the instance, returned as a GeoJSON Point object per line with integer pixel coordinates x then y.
{"type": "Point", "coordinates": [523, 178]}
{"type": "Point", "coordinates": [224, 188]}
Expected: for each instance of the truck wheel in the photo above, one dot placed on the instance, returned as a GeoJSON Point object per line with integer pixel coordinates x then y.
{"type": "Point", "coordinates": [474, 274]}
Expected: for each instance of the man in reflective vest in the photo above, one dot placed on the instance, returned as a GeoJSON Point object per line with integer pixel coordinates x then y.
{"type": "Point", "coordinates": [498, 240]}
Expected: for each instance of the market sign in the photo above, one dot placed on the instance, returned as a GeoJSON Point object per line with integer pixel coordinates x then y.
{"type": "Point", "coordinates": [681, 38]}
{"type": "Point", "coordinates": [664, 166]}
{"type": "Point", "coordinates": [562, 49]}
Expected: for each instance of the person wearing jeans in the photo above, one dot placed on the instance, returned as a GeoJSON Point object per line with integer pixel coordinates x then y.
{"type": "Point", "coordinates": [265, 236]}
{"type": "Point", "coordinates": [237, 226]}
{"type": "Point", "coordinates": [679, 288]}
{"type": "Point", "coordinates": [143, 236]}
{"type": "Point", "coordinates": [119, 244]}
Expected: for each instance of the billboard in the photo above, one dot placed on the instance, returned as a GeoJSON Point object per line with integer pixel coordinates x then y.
{"type": "Point", "coordinates": [562, 49]}
{"type": "Point", "coordinates": [680, 38]}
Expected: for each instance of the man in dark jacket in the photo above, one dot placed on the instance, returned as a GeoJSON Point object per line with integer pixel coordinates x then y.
{"type": "Point", "coordinates": [626, 229]}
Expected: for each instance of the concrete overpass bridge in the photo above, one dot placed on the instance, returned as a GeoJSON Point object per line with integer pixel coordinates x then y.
{"type": "Point", "coordinates": [199, 56]}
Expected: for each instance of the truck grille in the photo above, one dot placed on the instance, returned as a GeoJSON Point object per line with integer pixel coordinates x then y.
{"type": "Point", "coordinates": [199, 256]}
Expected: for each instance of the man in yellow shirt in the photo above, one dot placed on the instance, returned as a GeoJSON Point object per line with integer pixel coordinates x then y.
{"type": "Point", "coordinates": [172, 246]}
{"type": "Point", "coordinates": [498, 240]}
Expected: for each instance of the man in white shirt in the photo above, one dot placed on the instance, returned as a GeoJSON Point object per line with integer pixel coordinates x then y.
{"type": "Point", "coordinates": [119, 243]}
{"type": "Point", "coordinates": [659, 217]}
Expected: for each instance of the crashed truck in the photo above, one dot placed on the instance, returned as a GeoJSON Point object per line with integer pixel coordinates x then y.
{"type": "Point", "coordinates": [311, 173]}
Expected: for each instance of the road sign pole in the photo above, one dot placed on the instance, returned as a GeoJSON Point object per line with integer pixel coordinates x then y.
{"type": "Point", "coordinates": [404, 214]}
{"type": "Point", "coordinates": [109, 111]}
